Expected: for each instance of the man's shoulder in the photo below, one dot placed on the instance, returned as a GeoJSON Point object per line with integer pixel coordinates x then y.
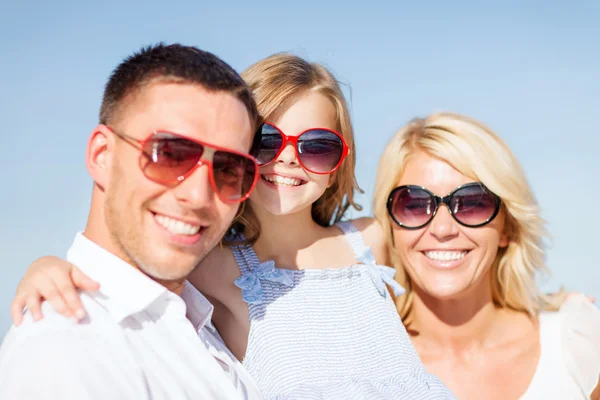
{"type": "Point", "coordinates": [40, 356]}
{"type": "Point", "coordinates": [56, 330]}
{"type": "Point", "coordinates": [60, 344]}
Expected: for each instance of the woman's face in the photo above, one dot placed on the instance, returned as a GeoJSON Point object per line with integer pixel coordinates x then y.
{"type": "Point", "coordinates": [445, 259]}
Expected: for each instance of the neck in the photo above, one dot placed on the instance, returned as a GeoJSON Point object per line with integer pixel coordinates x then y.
{"type": "Point", "coordinates": [282, 236]}
{"type": "Point", "coordinates": [173, 286]}
{"type": "Point", "coordinates": [97, 230]}
{"type": "Point", "coordinates": [465, 321]}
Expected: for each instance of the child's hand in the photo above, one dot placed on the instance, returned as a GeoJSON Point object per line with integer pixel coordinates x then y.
{"type": "Point", "coordinates": [56, 281]}
{"type": "Point", "coordinates": [589, 298]}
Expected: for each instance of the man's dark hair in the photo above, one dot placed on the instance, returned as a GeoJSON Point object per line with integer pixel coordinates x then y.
{"type": "Point", "coordinates": [176, 63]}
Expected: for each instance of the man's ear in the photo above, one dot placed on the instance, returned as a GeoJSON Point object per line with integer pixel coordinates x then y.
{"type": "Point", "coordinates": [99, 154]}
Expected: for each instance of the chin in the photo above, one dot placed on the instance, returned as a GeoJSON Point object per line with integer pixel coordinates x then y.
{"type": "Point", "coordinates": [442, 287]}
{"type": "Point", "coordinates": [444, 292]}
{"type": "Point", "coordinates": [169, 265]}
{"type": "Point", "coordinates": [278, 207]}
{"type": "Point", "coordinates": [452, 287]}
{"type": "Point", "coordinates": [285, 202]}
{"type": "Point", "coordinates": [287, 210]}
{"type": "Point", "coordinates": [172, 272]}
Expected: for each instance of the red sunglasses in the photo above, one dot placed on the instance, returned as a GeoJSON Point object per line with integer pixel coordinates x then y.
{"type": "Point", "coordinates": [169, 158]}
{"type": "Point", "coordinates": [319, 150]}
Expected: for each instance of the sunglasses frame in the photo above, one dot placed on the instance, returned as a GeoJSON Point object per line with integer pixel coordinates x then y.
{"type": "Point", "coordinates": [294, 140]}
{"type": "Point", "coordinates": [205, 159]}
{"type": "Point", "coordinates": [438, 200]}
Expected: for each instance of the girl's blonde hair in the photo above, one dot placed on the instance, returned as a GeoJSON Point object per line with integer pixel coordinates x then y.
{"type": "Point", "coordinates": [477, 152]}
{"type": "Point", "coordinates": [277, 82]}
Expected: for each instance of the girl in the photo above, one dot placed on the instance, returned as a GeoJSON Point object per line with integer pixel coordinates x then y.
{"type": "Point", "coordinates": [299, 296]}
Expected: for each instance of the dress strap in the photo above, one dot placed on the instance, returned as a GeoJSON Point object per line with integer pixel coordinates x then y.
{"type": "Point", "coordinates": [355, 239]}
{"type": "Point", "coordinates": [244, 255]}
{"type": "Point", "coordinates": [255, 273]}
{"type": "Point", "coordinates": [381, 275]}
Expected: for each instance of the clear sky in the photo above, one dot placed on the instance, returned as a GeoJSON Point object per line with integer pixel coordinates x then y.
{"type": "Point", "coordinates": [529, 69]}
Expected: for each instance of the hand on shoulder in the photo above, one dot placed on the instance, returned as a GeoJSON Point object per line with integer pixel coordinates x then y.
{"type": "Point", "coordinates": [581, 341]}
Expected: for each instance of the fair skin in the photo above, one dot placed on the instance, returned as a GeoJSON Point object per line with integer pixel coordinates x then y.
{"type": "Point", "coordinates": [126, 204]}
{"type": "Point", "coordinates": [289, 235]}
{"type": "Point", "coordinates": [473, 346]}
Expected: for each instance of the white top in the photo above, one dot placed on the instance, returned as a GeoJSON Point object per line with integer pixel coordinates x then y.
{"type": "Point", "coordinates": [135, 343]}
{"type": "Point", "coordinates": [330, 334]}
{"type": "Point", "coordinates": [569, 365]}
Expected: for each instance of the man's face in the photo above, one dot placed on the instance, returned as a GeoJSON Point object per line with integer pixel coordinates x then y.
{"type": "Point", "coordinates": [154, 225]}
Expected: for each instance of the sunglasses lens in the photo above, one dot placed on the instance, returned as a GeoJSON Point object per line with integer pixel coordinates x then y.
{"type": "Point", "coordinates": [234, 175]}
{"type": "Point", "coordinates": [168, 157]}
{"type": "Point", "coordinates": [320, 150]}
{"type": "Point", "coordinates": [473, 205]}
{"type": "Point", "coordinates": [270, 144]}
{"type": "Point", "coordinates": [411, 207]}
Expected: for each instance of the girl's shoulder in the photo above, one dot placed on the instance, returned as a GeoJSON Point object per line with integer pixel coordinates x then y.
{"type": "Point", "coordinates": [215, 274]}
{"type": "Point", "coordinates": [373, 236]}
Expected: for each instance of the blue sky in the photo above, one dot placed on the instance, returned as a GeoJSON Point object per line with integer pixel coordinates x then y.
{"type": "Point", "coordinates": [530, 70]}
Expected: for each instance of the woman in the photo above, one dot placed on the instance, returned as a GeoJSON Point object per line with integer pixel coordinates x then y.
{"type": "Point", "coordinates": [465, 234]}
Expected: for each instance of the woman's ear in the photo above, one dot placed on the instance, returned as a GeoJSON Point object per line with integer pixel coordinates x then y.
{"type": "Point", "coordinates": [504, 240]}
{"type": "Point", "coordinates": [507, 232]}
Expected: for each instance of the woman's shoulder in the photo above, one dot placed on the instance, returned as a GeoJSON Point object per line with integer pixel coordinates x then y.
{"type": "Point", "coordinates": [576, 327]}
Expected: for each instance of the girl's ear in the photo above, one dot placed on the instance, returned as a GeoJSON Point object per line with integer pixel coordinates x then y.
{"type": "Point", "coordinates": [332, 178]}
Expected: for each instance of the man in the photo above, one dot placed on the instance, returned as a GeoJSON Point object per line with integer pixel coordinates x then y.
{"type": "Point", "coordinates": [170, 165]}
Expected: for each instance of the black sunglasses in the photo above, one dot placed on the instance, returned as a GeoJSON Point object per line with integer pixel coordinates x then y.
{"type": "Point", "coordinates": [471, 205]}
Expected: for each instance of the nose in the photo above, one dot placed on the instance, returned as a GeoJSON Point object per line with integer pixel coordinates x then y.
{"type": "Point", "coordinates": [288, 155]}
{"type": "Point", "coordinates": [443, 226]}
{"type": "Point", "coordinates": [196, 191]}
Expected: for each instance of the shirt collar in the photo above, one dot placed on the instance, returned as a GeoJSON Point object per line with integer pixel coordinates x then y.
{"type": "Point", "coordinates": [199, 309]}
{"type": "Point", "coordinates": [124, 290]}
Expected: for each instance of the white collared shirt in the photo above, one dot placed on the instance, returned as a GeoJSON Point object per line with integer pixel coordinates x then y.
{"type": "Point", "coordinates": [135, 343]}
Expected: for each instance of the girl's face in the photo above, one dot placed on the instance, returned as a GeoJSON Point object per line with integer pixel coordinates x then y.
{"type": "Point", "coordinates": [284, 186]}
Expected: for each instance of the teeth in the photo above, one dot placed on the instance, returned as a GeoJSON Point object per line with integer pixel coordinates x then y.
{"type": "Point", "coordinates": [445, 255]}
{"type": "Point", "coordinates": [176, 227]}
{"type": "Point", "coordinates": [282, 181]}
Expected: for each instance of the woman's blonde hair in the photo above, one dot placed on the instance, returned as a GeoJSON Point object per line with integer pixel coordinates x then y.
{"type": "Point", "coordinates": [277, 82]}
{"type": "Point", "coordinates": [477, 152]}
